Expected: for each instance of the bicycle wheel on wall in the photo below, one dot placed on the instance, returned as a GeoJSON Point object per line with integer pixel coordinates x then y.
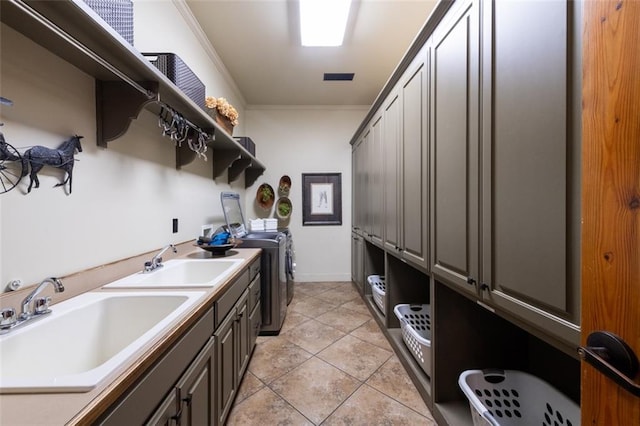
{"type": "Point", "coordinates": [11, 167]}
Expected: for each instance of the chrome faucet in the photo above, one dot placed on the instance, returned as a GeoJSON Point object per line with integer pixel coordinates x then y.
{"type": "Point", "coordinates": [156, 261]}
{"type": "Point", "coordinates": [8, 317]}
{"type": "Point", "coordinates": [41, 306]}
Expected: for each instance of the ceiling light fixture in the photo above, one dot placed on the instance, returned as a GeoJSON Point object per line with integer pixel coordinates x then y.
{"type": "Point", "coordinates": [323, 22]}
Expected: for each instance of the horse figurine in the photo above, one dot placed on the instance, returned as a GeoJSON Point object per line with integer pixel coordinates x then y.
{"type": "Point", "coordinates": [62, 158]}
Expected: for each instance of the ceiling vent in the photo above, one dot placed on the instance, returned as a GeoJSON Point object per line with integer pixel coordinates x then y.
{"type": "Point", "coordinates": [338, 76]}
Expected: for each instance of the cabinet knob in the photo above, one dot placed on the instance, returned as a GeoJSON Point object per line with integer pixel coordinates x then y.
{"type": "Point", "coordinates": [484, 286]}
{"type": "Point", "coordinates": [471, 281]}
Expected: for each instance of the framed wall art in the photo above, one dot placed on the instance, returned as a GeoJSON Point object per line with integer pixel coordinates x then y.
{"type": "Point", "coordinates": [321, 199]}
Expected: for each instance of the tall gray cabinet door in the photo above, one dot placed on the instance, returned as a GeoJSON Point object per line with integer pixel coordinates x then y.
{"type": "Point", "coordinates": [454, 145]}
{"type": "Point", "coordinates": [376, 201]}
{"type": "Point", "coordinates": [529, 145]}
{"type": "Point", "coordinates": [415, 163]}
{"type": "Point", "coordinates": [390, 165]}
{"type": "Point", "coordinates": [358, 185]}
{"type": "Point", "coordinates": [365, 176]}
{"type": "Point", "coordinates": [226, 366]}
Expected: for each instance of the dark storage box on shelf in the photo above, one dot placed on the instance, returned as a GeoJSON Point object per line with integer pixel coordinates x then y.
{"type": "Point", "coordinates": [117, 13]}
{"type": "Point", "coordinates": [247, 144]}
{"type": "Point", "coordinates": [179, 73]}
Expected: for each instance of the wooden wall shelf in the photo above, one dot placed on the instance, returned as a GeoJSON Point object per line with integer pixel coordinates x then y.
{"type": "Point", "coordinates": [126, 82]}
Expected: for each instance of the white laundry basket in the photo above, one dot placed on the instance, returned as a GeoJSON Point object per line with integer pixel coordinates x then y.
{"type": "Point", "coordinates": [510, 397]}
{"type": "Point", "coordinates": [378, 290]}
{"type": "Point", "coordinates": [415, 322]}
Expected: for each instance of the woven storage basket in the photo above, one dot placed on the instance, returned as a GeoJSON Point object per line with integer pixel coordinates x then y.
{"type": "Point", "coordinates": [117, 13]}
{"type": "Point", "coordinates": [180, 74]}
{"type": "Point", "coordinates": [415, 322]}
{"type": "Point", "coordinates": [511, 398]}
{"type": "Point", "coordinates": [378, 290]}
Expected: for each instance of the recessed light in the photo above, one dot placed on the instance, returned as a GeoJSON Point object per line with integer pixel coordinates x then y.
{"type": "Point", "coordinates": [323, 22]}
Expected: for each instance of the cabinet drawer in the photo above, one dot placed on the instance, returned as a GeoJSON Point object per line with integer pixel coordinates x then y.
{"type": "Point", "coordinates": [254, 292]}
{"type": "Point", "coordinates": [230, 297]}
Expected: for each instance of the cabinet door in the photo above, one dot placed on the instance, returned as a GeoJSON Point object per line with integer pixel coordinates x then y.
{"type": "Point", "coordinates": [255, 321]}
{"type": "Point", "coordinates": [415, 161]}
{"type": "Point", "coordinates": [226, 366]}
{"type": "Point", "coordinates": [454, 148]}
{"type": "Point", "coordinates": [529, 147]}
{"type": "Point", "coordinates": [165, 415]}
{"type": "Point", "coordinates": [390, 164]}
{"type": "Point", "coordinates": [365, 207]}
{"type": "Point", "coordinates": [197, 389]}
{"type": "Point", "coordinates": [242, 336]}
{"type": "Point", "coordinates": [375, 195]}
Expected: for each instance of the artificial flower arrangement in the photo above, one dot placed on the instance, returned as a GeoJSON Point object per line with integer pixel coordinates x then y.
{"type": "Point", "coordinates": [222, 107]}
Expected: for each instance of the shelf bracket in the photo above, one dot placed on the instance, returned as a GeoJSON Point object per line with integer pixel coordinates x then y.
{"type": "Point", "coordinates": [117, 104]}
{"type": "Point", "coordinates": [223, 159]}
{"type": "Point", "coordinates": [251, 175]}
{"type": "Point", "coordinates": [238, 166]}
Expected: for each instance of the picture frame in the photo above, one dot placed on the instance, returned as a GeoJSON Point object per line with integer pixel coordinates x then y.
{"type": "Point", "coordinates": [321, 199]}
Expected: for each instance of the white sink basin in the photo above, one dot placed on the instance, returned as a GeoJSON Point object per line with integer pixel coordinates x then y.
{"type": "Point", "coordinates": [182, 273]}
{"type": "Point", "coordinates": [86, 338]}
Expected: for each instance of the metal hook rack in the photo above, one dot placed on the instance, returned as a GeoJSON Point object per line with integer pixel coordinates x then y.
{"type": "Point", "coordinates": [179, 129]}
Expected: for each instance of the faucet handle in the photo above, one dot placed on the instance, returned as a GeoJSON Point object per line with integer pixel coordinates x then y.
{"type": "Point", "coordinates": [8, 317]}
{"type": "Point", "coordinates": [41, 305]}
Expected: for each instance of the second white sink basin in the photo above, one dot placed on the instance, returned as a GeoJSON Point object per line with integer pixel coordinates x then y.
{"type": "Point", "coordinates": [86, 338]}
{"type": "Point", "coordinates": [182, 273]}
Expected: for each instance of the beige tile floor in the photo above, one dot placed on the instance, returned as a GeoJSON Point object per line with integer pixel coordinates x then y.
{"type": "Point", "coordinates": [330, 365]}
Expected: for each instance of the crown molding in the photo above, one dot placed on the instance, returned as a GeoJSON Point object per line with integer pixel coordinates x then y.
{"type": "Point", "coordinates": [191, 20]}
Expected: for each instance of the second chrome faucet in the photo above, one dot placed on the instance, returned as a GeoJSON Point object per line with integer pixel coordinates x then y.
{"type": "Point", "coordinates": [156, 261]}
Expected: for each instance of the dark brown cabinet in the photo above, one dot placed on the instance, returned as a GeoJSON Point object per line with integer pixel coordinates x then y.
{"type": "Point", "coordinates": [531, 163]}
{"type": "Point", "coordinates": [196, 380]}
{"type": "Point", "coordinates": [414, 168]}
{"type": "Point", "coordinates": [454, 148]}
{"type": "Point", "coordinates": [233, 352]}
{"type": "Point", "coordinates": [391, 166]}
{"type": "Point", "coordinates": [375, 190]}
{"type": "Point", "coordinates": [191, 402]}
{"type": "Point", "coordinates": [480, 172]}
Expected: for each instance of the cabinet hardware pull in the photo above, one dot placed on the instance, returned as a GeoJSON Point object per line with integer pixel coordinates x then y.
{"type": "Point", "coordinates": [484, 286]}
{"type": "Point", "coordinates": [611, 355]}
{"type": "Point", "coordinates": [471, 281]}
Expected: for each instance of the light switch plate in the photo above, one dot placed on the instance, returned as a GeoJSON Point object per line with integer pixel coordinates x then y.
{"type": "Point", "coordinates": [206, 231]}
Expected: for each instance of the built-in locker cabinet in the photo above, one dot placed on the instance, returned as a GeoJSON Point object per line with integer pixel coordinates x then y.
{"type": "Point", "coordinates": [531, 145]}
{"type": "Point", "coordinates": [358, 186]}
{"type": "Point", "coordinates": [454, 147]}
{"type": "Point", "coordinates": [415, 163]}
{"type": "Point", "coordinates": [391, 166]}
{"type": "Point", "coordinates": [375, 193]}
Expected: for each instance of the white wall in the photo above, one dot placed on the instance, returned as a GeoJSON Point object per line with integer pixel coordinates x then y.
{"type": "Point", "coordinates": [125, 196]}
{"type": "Point", "coordinates": [297, 140]}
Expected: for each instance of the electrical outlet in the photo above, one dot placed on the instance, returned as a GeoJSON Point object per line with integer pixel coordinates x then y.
{"type": "Point", "coordinates": [175, 225]}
